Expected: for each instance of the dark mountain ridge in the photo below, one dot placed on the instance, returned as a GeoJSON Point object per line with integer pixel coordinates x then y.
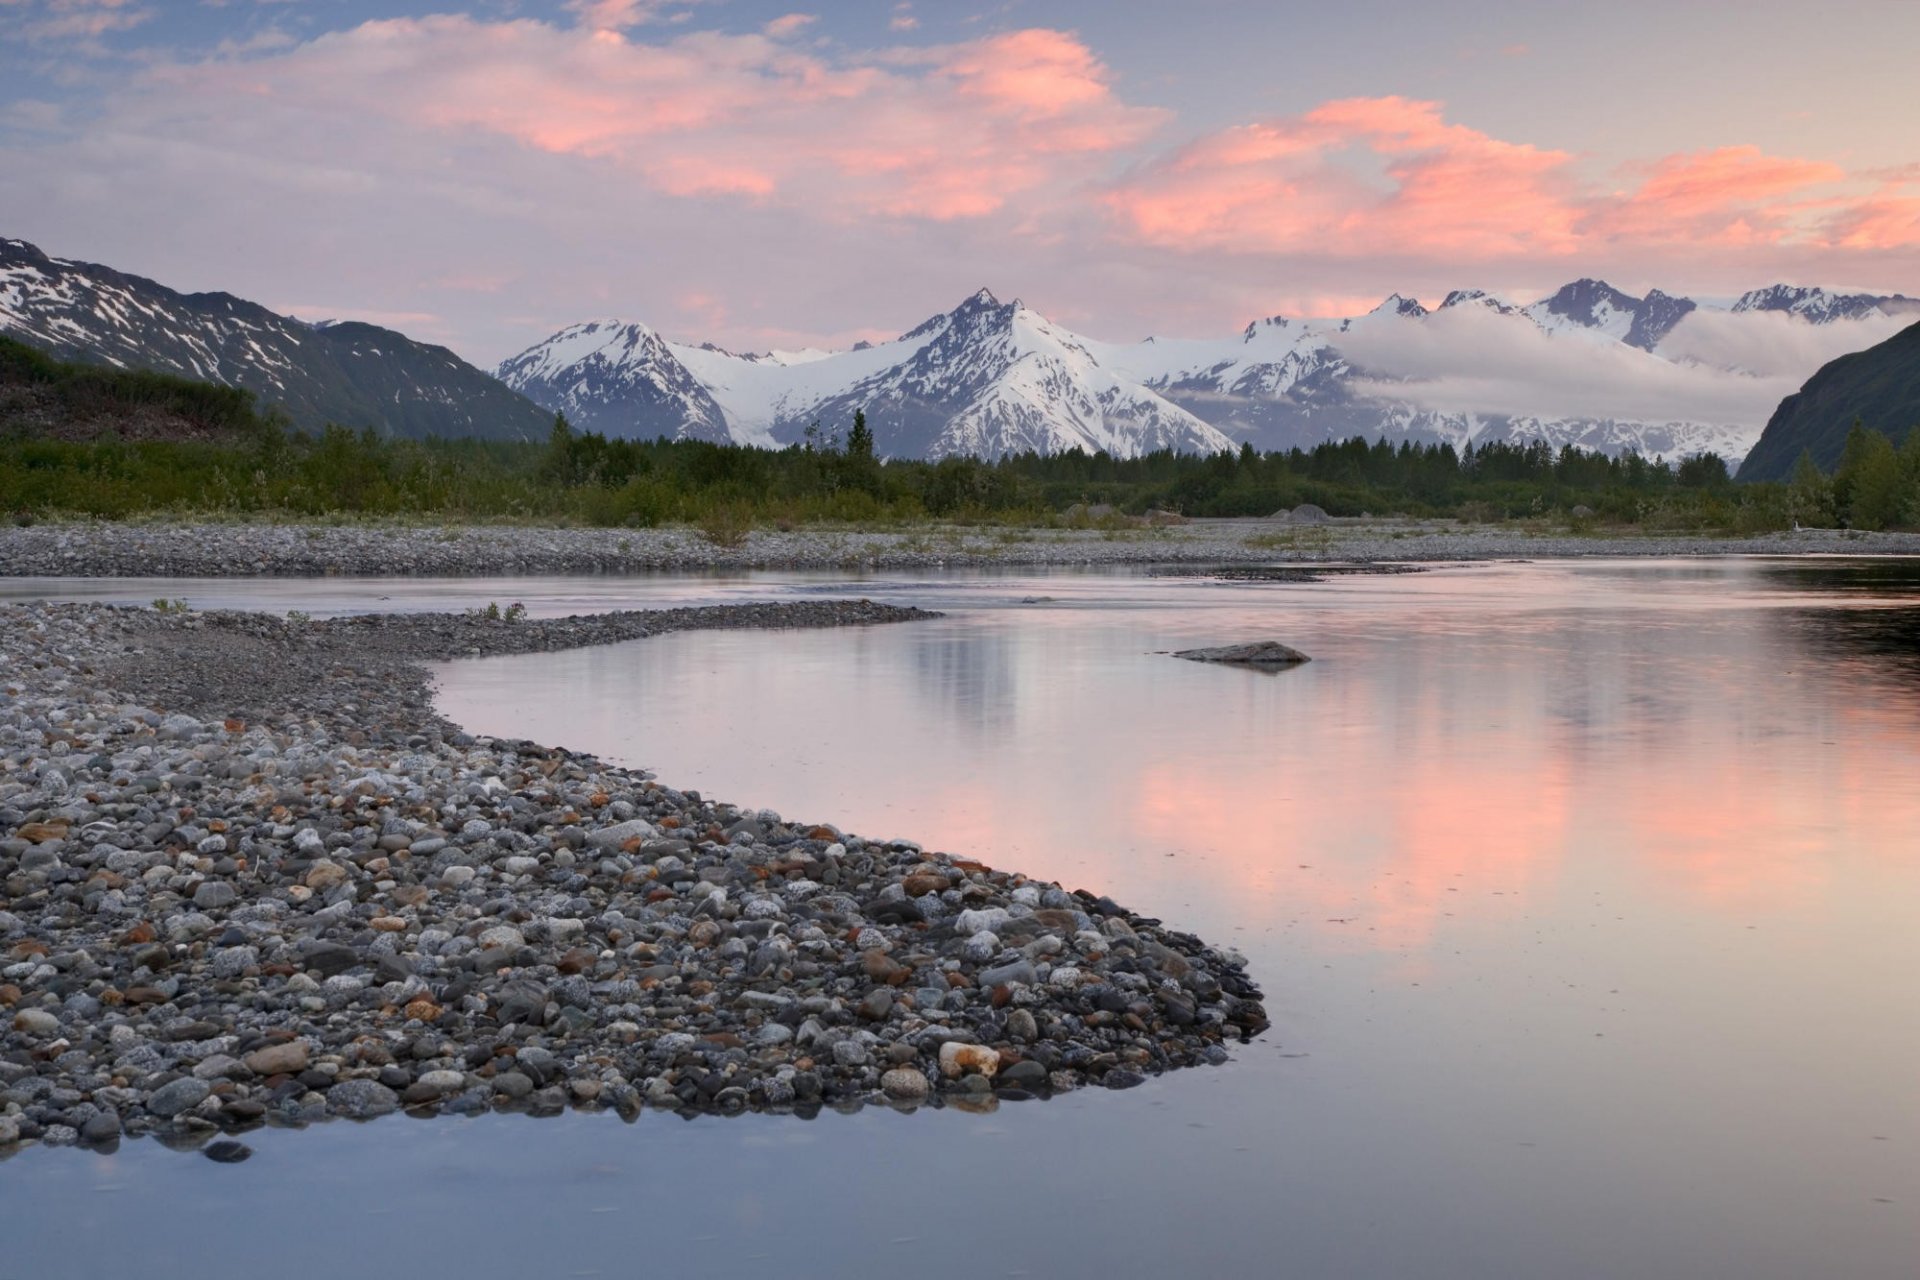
{"type": "Point", "coordinates": [1880, 387]}
{"type": "Point", "coordinates": [353, 374]}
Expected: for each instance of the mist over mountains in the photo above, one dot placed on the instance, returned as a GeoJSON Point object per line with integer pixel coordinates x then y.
{"type": "Point", "coordinates": [1590, 365]}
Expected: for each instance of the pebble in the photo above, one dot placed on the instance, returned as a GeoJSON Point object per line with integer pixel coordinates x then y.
{"type": "Point", "coordinates": [250, 876]}
{"type": "Point", "coordinates": [109, 549]}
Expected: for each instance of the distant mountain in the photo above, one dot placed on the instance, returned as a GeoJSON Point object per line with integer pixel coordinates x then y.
{"type": "Point", "coordinates": [1818, 306]}
{"type": "Point", "coordinates": [992, 378]}
{"type": "Point", "coordinates": [618, 379]}
{"type": "Point", "coordinates": [356, 375]}
{"type": "Point", "coordinates": [1879, 386]}
{"type": "Point", "coordinates": [985, 379]}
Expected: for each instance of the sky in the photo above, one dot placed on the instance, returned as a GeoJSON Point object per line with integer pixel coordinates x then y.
{"type": "Point", "coordinates": [764, 175]}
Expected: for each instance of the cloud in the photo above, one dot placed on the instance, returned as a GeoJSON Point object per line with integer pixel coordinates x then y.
{"type": "Point", "coordinates": [613, 161]}
{"type": "Point", "coordinates": [81, 19]}
{"type": "Point", "coordinates": [1716, 367]}
{"type": "Point", "coordinates": [1290, 186]}
{"type": "Point", "coordinates": [948, 132]}
{"type": "Point", "coordinates": [1773, 343]}
{"type": "Point", "coordinates": [1365, 177]}
{"type": "Point", "coordinates": [788, 24]}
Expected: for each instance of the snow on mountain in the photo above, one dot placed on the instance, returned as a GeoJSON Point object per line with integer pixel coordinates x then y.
{"type": "Point", "coordinates": [985, 379]}
{"type": "Point", "coordinates": [619, 379]}
{"type": "Point", "coordinates": [990, 378]}
{"type": "Point", "coordinates": [349, 373]}
{"type": "Point", "coordinates": [1820, 306]}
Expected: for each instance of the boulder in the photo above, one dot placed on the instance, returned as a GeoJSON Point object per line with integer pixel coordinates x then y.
{"type": "Point", "coordinates": [1256, 653]}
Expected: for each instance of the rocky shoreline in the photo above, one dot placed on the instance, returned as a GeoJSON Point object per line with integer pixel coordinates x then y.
{"type": "Point", "coordinates": [82, 549]}
{"type": "Point", "coordinates": [250, 878]}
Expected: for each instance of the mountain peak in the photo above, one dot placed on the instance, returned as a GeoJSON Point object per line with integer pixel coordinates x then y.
{"type": "Point", "coordinates": [1819, 306]}
{"type": "Point", "coordinates": [1398, 305]}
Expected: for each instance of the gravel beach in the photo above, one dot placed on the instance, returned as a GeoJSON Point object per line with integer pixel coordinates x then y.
{"type": "Point", "coordinates": [250, 877]}
{"type": "Point", "coordinates": [243, 550]}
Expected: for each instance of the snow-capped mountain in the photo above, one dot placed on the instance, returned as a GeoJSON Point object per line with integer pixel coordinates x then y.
{"type": "Point", "coordinates": [1819, 306]}
{"type": "Point", "coordinates": [345, 372]}
{"type": "Point", "coordinates": [990, 378]}
{"type": "Point", "coordinates": [985, 379]}
{"type": "Point", "coordinates": [617, 379]}
{"type": "Point", "coordinates": [1596, 307]}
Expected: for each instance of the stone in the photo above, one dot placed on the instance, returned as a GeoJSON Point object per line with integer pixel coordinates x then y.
{"type": "Point", "coordinates": [905, 1084]}
{"type": "Point", "coordinates": [103, 1126]}
{"type": "Point", "coordinates": [1025, 1074]}
{"type": "Point", "coordinates": [37, 1023]}
{"type": "Point", "coordinates": [226, 1151]}
{"type": "Point", "coordinates": [215, 895]}
{"type": "Point", "coordinates": [169, 1100]}
{"type": "Point", "coordinates": [324, 875]}
{"type": "Point", "coordinates": [278, 1059]}
{"type": "Point", "coordinates": [958, 1059]}
{"type": "Point", "coordinates": [361, 1099]}
{"type": "Point", "coordinates": [1255, 653]}
{"type": "Point", "coordinates": [617, 835]}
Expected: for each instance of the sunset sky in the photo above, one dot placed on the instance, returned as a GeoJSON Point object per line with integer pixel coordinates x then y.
{"type": "Point", "coordinates": [761, 175]}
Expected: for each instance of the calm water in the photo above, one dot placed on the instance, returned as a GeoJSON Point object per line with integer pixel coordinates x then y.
{"type": "Point", "coordinates": [1586, 898]}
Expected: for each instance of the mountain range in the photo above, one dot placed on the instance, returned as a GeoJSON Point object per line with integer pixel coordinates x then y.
{"type": "Point", "coordinates": [985, 378]}
{"type": "Point", "coordinates": [992, 377]}
{"type": "Point", "coordinates": [353, 374]}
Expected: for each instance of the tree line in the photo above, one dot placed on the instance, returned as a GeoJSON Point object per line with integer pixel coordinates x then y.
{"type": "Point", "coordinates": [256, 467]}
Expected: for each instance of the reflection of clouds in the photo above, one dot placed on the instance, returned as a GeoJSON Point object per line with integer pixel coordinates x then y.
{"type": "Point", "coordinates": [1468, 755]}
{"type": "Point", "coordinates": [971, 676]}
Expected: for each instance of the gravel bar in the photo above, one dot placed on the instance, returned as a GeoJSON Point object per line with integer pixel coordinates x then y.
{"type": "Point", "coordinates": [251, 878]}
{"type": "Point", "coordinates": [360, 550]}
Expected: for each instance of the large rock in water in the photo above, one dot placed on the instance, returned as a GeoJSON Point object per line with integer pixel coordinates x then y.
{"type": "Point", "coordinates": [1258, 653]}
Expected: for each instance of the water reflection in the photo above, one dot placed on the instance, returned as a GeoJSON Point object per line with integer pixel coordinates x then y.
{"type": "Point", "coordinates": [1586, 897]}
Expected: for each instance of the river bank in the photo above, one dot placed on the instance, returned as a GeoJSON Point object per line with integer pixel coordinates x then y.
{"type": "Point", "coordinates": [356, 550]}
{"type": "Point", "coordinates": [252, 878]}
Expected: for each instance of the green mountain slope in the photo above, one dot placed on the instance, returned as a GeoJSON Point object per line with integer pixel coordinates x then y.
{"type": "Point", "coordinates": [1879, 386]}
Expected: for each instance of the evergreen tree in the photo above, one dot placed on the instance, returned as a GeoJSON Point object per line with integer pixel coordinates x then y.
{"type": "Point", "coordinates": [860, 438]}
{"type": "Point", "coordinates": [1874, 481]}
{"type": "Point", "coordinates": [1810, 495]}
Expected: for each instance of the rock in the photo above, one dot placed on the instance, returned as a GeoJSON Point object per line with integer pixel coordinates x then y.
{"type": "Point", "coordinates": [215, 895]}
{"type": "Point", "coordinates": [102, 1127]}
{"type": "Point", "coordinates": [1025, 1074]}
{"type": "Point", "coordinates": [37, 1023]}
{"type": "Point", "coordinates": [331, 958]}
{"type": "Point", "coordinates": [324, 875]}
{"type": "Point", "coordinates": [226, 1151]}
{"type": "Point", "coordinates": [361, 1099]}
{"type": "Point", "coordinates": [1257, 653]}
{"type": "Point", "coordinates": [1308, 513]}
{"type": "Point", "coordinates": [1015, 971]}
{"type": "Point", "coordinates": [278, 1059]}
{"type": "Point", "coordinates": [958, 1059]}
{"type": "Point", "coordinates": [905, 1084]}
{"type": "Point", "coordinates": [617, 835]}
{"type": "Point", "coordinates": [169, 1100]}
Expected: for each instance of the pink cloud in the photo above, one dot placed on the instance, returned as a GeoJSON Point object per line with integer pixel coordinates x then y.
{"type": "Point", "coordinates": [788, 24]}
{"type": "Point", "coordinates": [950, 132]}
{"type": "Point", "coordinates": [1366, 177]}
{"type": "Point", "coordinates": [1290, 186]}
